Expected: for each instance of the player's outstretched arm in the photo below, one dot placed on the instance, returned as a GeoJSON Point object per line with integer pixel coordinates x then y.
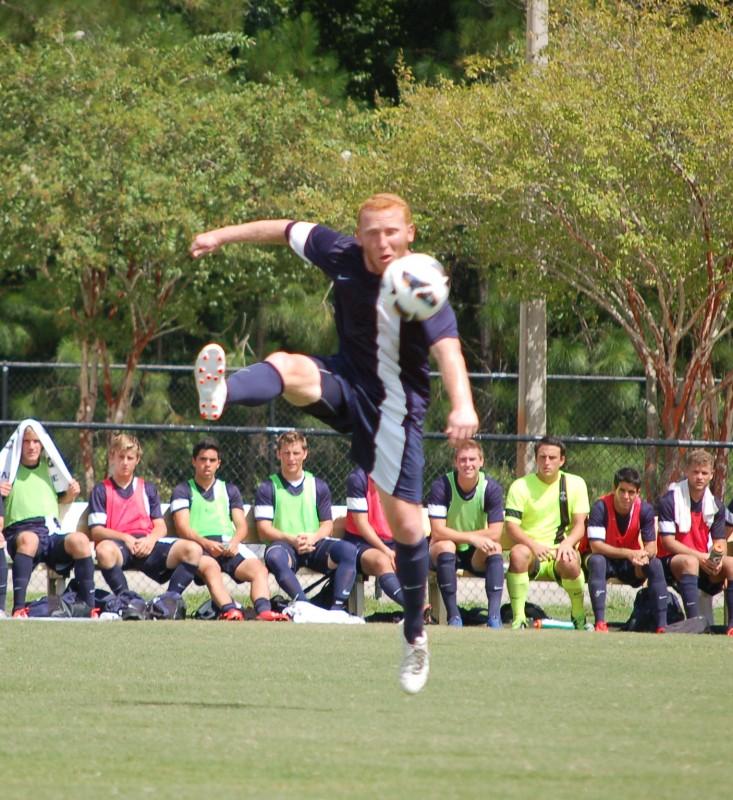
{"type": "Point", "coordinates": [462, 420]}
{"type": "Point", "coordinates": [263, 231]}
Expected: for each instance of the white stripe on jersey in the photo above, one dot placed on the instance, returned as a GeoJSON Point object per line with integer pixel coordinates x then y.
{"type": "Point", "coordinates": [358, 504]}
{"type": "Point", "coordinates": [390, 437]}
{"type": "Point", "coordinates": [265, 512]}
{"type": "Point", "coordinates": [298, 236]}
{"type": "Point", "coordinates": [437, 511]}
{"type": "Point", "coordinates": [179, 503]}
{"type": "Point", "coordinates": [597, 532]}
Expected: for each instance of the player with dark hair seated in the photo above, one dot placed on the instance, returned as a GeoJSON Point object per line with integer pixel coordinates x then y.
{"type": "Point", "coordinates": [545, 521]}
{"type": "Point", "coordinates": [612, 548]}
{"type": "Point", "coordinates": [210, 512]}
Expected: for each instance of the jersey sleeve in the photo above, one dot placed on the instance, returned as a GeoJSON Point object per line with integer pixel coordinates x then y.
{"type": "Point", "coordinates": [323, 500]}
{"type": "Point", "coordinates": [717, 529]}
{"type": "Point", "coordinates": [151, 491]}
{"type": "Point", "coordinates": [98, 506]}
{"type": "Point", "coordinates": [265, 501]}
{"type": "Point", "coordinates": [515, 501]}
{"type": "Point", "coordinates": [577, 495]}
{"type": "Point", "coordinates": [321, 246]}
{"type": "Point", "coordinates": [356, 491]}
{"type": "Point", "coordinates": [598, 522]}
{"type": "Point", "coordinates": [493, 501]}
{"type": "Point", "coordinates": [647, 524]}
{"type": "Point", "coordinates": [729, 514]}
{"type": "Point", "coordinates": [235, 497]}
{"type": "Point", "coordinates": [439, 498]}
{"type": "Point", "coordinates": [181, 497]}
{"type": "Point", "coordinates": [665, 513]}
{"type": "Point", "coordinates": [441, 326]}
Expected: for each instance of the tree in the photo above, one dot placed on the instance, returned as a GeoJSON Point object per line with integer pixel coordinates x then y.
{"type": "Point", "coordinates": [114, 156]}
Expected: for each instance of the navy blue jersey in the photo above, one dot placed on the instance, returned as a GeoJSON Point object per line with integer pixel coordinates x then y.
{"type": "Point", "coordinates": [383, 357]}
{"type": "Point", "coordinates": [265, 498]}
{"type": "Point", "coordinates": [441, 494]}
{"type": "Point", "coordinates": [181, 497]}
{"type": "Point", "coordinates": [598, 522]}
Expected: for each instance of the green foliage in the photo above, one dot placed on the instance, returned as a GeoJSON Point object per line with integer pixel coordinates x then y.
{"type": "Point", "coordinates": [117, 155]}
{"type": "Point", "coordinates": [291, 49]}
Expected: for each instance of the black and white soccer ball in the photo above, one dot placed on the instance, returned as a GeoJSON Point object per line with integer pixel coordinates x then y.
{"type": "Point", "coordinates": [416, 286]}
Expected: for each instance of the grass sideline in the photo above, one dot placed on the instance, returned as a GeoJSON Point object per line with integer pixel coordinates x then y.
{"type": "Point", "coordinates": [196, 710]}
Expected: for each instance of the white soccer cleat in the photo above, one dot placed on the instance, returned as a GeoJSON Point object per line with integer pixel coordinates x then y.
{"type": "Point", "coordinates": [211, 383]}
{"type": "Point", "coordinates": [415, 665]}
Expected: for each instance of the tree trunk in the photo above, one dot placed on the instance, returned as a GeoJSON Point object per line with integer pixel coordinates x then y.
{"type": "Point", "coordinates": [88, 394]}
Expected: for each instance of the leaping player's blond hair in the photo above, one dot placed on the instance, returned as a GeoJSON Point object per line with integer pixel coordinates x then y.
{"type": "Point", "coordinates": [382, 201]}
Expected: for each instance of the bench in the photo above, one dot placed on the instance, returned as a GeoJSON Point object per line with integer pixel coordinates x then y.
{"type": "Point", "coordinates": [74, 517]}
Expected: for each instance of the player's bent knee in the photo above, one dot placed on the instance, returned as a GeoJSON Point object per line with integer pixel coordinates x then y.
{"type": "Point", "coordinates": [77, 544]}
{"type": "Point", "coordinates": [107, 554]}
{"type": "Point", "coordinates": [27, 542]}
{"type": "Point", "coordinates": [250, 570]}
{"type": "Point", "coordinates": [187, 551]}
{"type": "Point", "coordinates": [520, 557]}
{"type": "Point", "coordinates": [437, 548]}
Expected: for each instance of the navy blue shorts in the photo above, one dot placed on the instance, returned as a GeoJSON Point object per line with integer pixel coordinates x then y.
{"type": "Point", "coordinates": [50, 547]}
{"type": "Point", "coordinates": [362, 546]}
{"type": "Point", "coordinates": [227, 564]}
{"type": "Point", "coordinates": [317, 560]}
{"type": "Point", "coordinates": [154, 566]}
{"type": "Point", "coordinates": [619, 568]}
{"type": "Point", "coordinates": [387, 446]}
{"type": "Point", "coordinates": [703, 579]}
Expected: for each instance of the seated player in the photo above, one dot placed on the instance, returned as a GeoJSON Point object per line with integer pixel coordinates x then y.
{"type": "Point", "coordinates": [466, 511]}
{"type": "Point", "coordinates": [293, 514]}
{"type": "Point", "coordinates": [35, 480]}
{"type": "Point", "coordinates": [545, 520]}
{"type": "Point", "coordinates": [367, 529]}
{"type": "Point", "coordinates": [612, 548]}
{"type": "Point", "coordinates": [210, 512]}
{"type": "Point", "coordinates": [692, 537]}
{"type": "Point", "coordinates": [126, 523]}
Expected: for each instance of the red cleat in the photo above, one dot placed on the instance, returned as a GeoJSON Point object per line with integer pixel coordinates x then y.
{"type": "Point", "coordinates": [661, 630]}
{"type": "Point", "coordinates": [272, 616]}
{"type": "Point", "coordinates": [21, 613]}
{"type": "Point", "coordinates": [729, 632]}
{"type": "Point", "coordinates": [233, 615]}
{"type": "Point", "coordinates": [601, 627]}
{"type": "Point", "coordinates": [95, 613]}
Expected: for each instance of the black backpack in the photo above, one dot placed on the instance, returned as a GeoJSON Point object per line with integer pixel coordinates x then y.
{"type": "Point", "coordinates": [169, 605]}
{"type": "Point", "coordinates": [531, 610]}
{"type": "Point", "coordinates": [643, 617]}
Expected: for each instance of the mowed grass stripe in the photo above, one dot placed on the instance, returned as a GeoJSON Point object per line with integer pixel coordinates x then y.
{"type": "Point", "coordinates": [195, 710]}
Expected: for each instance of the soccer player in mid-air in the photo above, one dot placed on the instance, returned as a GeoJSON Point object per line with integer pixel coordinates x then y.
{"type": "Point", "coordinates": [376, 388]}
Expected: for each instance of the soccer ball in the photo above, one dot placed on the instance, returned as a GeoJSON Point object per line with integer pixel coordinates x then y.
{"type": "Point", "coordinates": [416, 286]}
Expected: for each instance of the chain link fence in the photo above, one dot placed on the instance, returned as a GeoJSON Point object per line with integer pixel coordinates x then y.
{"type": "Point", "coordinates": [602, 420]}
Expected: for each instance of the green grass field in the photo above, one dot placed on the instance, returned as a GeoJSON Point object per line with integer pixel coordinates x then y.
{"type": "Point", "coordinates": [254, 710]}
